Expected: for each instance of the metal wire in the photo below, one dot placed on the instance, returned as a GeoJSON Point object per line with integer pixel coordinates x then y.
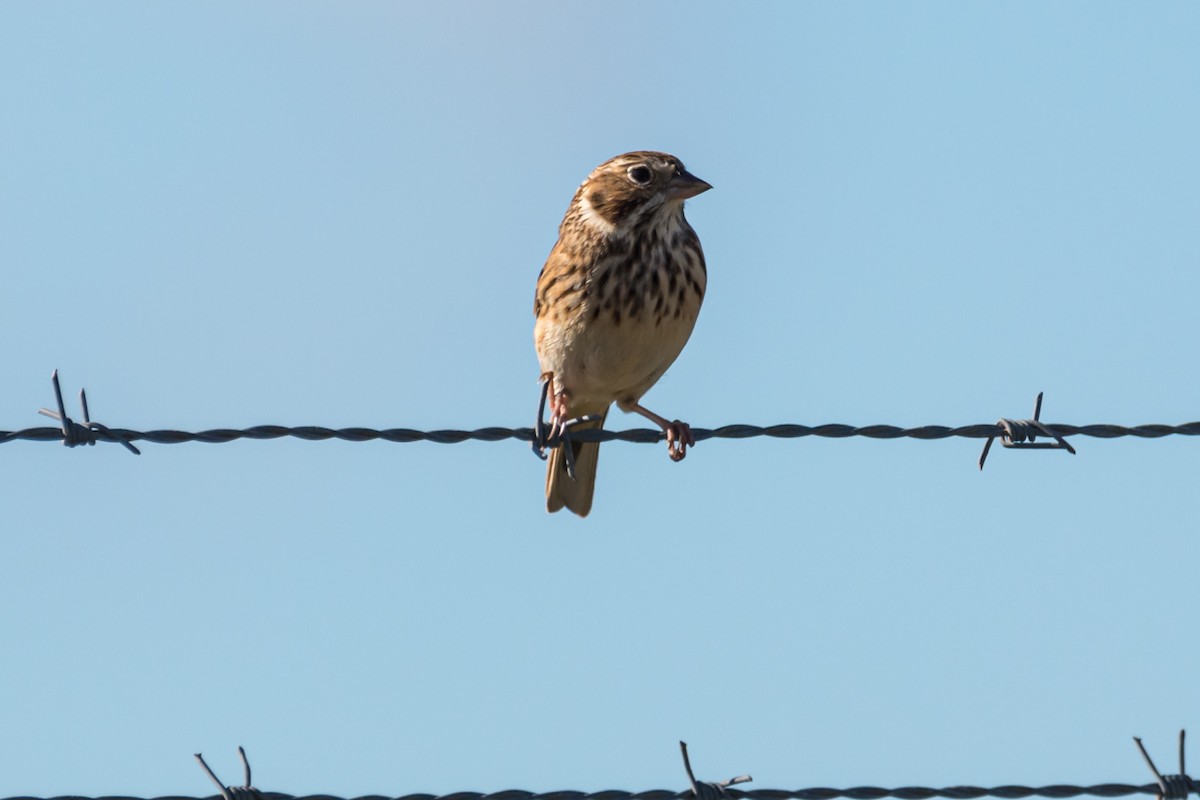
{"type": "Point", "coordinates": [641, 435]}
{"type": "Point", "coordinates": [819, 793]}
{"type": "Point", "coordinates": [724, 790]}
{"type": "Point", "coordinates": [1012, 433]}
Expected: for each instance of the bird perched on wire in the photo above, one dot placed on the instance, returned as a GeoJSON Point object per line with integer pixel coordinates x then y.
{"type": "Point", "coordinates": [615, 303]}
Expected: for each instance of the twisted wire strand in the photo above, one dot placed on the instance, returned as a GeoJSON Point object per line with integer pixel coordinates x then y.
{"type": "Point", "coordinates": [642, 435]}
{"type": "Point", "coordinates": [817, 793]}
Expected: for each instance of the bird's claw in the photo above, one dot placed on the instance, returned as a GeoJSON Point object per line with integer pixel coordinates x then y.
{"type": "Point", "coordinates": [548, 435]}
{"type": "Point", "coordinates": [556, 433]}
{"type": "Point", "coordinates": [679, 438]}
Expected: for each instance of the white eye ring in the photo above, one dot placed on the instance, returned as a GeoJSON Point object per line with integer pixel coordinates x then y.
{"type": "Point", "coordinates": [640, 174]}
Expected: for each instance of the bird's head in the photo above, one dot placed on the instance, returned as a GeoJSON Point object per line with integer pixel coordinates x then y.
{"type": "Point", "coordinates": [625, 189]}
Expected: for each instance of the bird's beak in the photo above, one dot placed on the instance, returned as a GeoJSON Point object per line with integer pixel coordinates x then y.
{"type": "Point", "coordinates": [685, 185]}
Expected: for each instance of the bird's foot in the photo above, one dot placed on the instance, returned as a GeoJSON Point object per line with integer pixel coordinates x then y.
{"type": "Point", "coordinates": [679, 438]}
{"type": "Point", "coordinates": [679, 434]}
{"type": "Point", "coordinates": [549, 435]}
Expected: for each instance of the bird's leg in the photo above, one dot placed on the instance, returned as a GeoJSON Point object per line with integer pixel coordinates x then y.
{"type": "Point", "coordinates": [679, 434]}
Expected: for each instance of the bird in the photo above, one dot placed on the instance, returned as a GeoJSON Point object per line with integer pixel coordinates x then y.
{"type": "Point", "coordinates": [616, 302]}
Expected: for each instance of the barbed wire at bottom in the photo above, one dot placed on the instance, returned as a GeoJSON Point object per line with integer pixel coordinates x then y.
{"type": "Point", "coordinates": [816, 793]}
{"type": "Point", "coordinates": [1167, 787]}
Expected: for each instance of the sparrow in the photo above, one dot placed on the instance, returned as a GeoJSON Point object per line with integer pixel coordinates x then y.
{"type": "Point", "coordinates": [615, 303]}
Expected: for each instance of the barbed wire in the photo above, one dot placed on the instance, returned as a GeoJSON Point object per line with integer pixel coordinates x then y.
{"type": "Point", "coordinates": [315, 433]}
{"type": "Point", "coordinates": [816, 793]}
{"type": "Point", "coordinates": [1012, 432]}
{"type": "Point", "coordinates": [1167, 787]}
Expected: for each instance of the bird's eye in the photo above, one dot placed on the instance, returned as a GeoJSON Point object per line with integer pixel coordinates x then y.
{"type": "Point", "coordinates": [640, 174]}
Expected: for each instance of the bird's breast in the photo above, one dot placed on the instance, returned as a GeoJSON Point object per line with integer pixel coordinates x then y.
{"type": "Point", "coordinates": [629, 323]}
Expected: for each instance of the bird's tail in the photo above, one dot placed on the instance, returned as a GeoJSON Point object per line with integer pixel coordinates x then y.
{"type": "Point", "coordinates": [575, 494]}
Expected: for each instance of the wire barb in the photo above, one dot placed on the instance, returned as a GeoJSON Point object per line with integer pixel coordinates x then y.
{"type": "Point", "coordinates": [704, 790]}
{"type": "Point", "coordinates": [1023, 433]}
{"type": "Point", "coordinates": [1170, 787]}
{"type": "Point", "coordinates": [74, 434]}
{"type": "Point", "coordinates": [244, 792]}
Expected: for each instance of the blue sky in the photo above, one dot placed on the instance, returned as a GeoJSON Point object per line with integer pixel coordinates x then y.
{"type": "Point", "coordinates": [225, 214]}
